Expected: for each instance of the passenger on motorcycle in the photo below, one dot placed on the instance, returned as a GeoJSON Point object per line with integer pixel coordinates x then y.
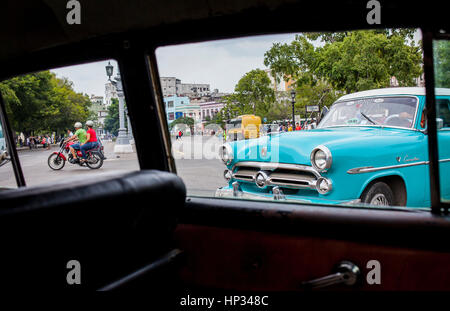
{"type": "Point", "coordinates": [80, 134]}
{"type": "Point", "coordinates": [91, 140]}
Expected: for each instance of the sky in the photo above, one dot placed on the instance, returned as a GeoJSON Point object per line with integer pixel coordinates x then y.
{"type": "Point", "coordinates": [220, 63]}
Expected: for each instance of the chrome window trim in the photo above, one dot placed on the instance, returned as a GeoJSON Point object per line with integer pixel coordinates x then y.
{"type": "Point", "coordinates": [152, 68]}
{"type": "Point", "coordinates": [379, 125]}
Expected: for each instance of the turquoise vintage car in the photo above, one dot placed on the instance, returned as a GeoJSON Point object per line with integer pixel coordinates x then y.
{"type": "Point", "coordinates": [371, 147]}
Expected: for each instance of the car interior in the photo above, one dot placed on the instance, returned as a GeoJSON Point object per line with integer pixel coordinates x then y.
{"type": "Point", "coordinates": [140, 231]}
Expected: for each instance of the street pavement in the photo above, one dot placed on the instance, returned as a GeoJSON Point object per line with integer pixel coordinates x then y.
{"type": "Point", "coordinates": [197, 163]}
{"type": "Point", "coordinates": [37, 172]}
{"type": "Point", "coordinates": [195, 159]}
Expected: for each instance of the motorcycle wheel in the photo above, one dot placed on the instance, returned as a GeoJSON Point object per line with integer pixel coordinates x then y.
{"type": "Point", "coordinates": [95, 161]}
{"type": "Point", "coordinates": [55, 162]}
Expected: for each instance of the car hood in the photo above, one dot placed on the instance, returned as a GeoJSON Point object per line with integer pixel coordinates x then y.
{"type": "Point", "coordinates": [296, 147]}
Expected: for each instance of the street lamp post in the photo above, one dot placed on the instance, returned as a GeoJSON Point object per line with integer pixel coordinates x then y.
{"type": "Point", "coordinates": [122, 143]}
{"type": "Point", "coordinates": [293, 108]}
{"type": "Point", "coordinates": [130, 130]}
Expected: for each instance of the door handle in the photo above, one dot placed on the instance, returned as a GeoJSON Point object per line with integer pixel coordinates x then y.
{"type": "Point", "coordinates": [346, 273]}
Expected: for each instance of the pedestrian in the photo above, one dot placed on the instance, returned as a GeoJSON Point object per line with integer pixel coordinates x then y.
{"type": "Point", "coordinates": [298, 127]}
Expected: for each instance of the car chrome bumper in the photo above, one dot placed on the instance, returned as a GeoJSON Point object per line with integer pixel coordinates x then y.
{"type": "Point", "coordinates": [228, 192]}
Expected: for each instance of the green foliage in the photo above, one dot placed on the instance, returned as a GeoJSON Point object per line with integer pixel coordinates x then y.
{"type": "Point", "coordinates": [112, 121]}
{"type": "Point", "coordinates": [216, 119]}
{"type": "Point", "coordinates": [349, 61]}
{"type": "Point", "coordinates": [321, 93]}
{"type": "Point", "coordinates": [40, 102]}
{"type": "Point", "coordinates": [441, 51]}
{"type": "Point", "coordinates": [183, 120]}
{"type": "Point", "coordinates": [253, 93]}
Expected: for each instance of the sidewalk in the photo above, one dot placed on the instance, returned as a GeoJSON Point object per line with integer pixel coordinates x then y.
{"type": "Point", "coordinates": [38, 146]}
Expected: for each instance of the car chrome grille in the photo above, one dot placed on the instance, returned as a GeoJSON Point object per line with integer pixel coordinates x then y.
{"type": "Point", "coordinates": [279, 174]}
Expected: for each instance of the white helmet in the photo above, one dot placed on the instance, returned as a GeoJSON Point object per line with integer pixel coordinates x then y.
{"type": "Point", "coordinates": [78, 125]}
{"type": "Point", "coordinates": [89, 123]}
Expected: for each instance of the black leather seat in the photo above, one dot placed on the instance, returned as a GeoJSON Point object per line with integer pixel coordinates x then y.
{"type": "Point", "coordinates": [111, 225]}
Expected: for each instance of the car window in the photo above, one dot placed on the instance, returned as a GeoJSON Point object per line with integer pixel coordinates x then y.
{"type": "Point", "coordinates": [382, 110]}
{"type": "Point", "coordinates": [67, 124]}
{"type": "Point", "coordinates": [317, 118]}
{"type": "Point", "coordinates": [441, 56]}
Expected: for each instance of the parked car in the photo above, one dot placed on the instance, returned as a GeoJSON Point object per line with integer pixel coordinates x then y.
{"type": "Point", "coordinates": [371, 147]}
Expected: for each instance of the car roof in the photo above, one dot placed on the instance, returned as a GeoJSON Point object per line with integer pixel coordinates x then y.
{"type": "Point", "coordinates": [394, 91]}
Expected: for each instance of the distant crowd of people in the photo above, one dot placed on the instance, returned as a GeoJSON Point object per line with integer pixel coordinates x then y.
{"type": "Point", "coordinates": [33, 142]}
{"type": "Point", "coordinates": [289, 126]}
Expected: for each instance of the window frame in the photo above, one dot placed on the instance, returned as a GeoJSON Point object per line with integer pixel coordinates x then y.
{"type": "Point", "coordinates": [141, 56]}
{"type": "Point", "coordinates": [428, 36]}
{"type": "Point", "coordinates": [437, 206]}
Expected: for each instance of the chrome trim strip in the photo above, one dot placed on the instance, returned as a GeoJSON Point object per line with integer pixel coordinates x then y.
{"type": "Point", "coordinates": [369, 169]}
{"type": "Point", "coordinates": [269, 166]}
{"type": "Point", "coordinates": [286, 184]}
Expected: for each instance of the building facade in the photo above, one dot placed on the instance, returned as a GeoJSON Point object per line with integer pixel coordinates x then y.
{"type": "Point", "coordinates": [98, 108]}
{"type": "Point", "coordinates": [171, 86]}
{"type": "Point", "coordinates": [177, 107]}
{"type": "Point", "coordinates": [110, 93]}
{"type": "Point", "coordinates": [210, 109]}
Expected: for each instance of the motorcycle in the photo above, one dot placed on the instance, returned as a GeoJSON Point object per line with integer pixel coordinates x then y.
{"type": "Point", "coordinates": [57, 159]}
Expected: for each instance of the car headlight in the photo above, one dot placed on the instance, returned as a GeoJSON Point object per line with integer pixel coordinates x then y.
{"type": "Point", "coordinates": [321, 158]}
{"type": "Point", "coordinates": [226, 154]}
{"type": "Point", "coordinates": [324, 185]}
{"type": "Point", "coordinates": [227, 174]}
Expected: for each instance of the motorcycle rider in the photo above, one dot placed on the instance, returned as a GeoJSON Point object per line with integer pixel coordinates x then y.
{"type": "Point", "coordinates": [91, 140]}
{"type": "Point", "coordinates": [79, 134]}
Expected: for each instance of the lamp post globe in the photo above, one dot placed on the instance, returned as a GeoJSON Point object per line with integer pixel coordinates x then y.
{"type": "Point", "coordinates": [109, 70]}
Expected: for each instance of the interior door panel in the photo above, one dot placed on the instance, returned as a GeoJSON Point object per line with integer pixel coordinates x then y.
{"type": "Point", "coordinates": [225, 253]}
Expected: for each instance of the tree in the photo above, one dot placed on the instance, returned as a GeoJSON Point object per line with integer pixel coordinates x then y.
{"type": "Point", "coordinates": [112, 121]}
{"type": "Point", "coordinates": [183, 120]}
{"type": "Point", "coordinates": [442, 63]}
{"type": "Point", "coordinates": [40, 102]}
{"type": "Point", "coordinates": [349, 61]}
{"type": "Point", "coordinates": [253, 91]}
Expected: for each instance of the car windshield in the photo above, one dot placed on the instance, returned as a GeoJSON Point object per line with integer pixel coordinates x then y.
{"type": "Point", "coordinates": [384, 111]}
{"type": "Point", "coordinates": [236, 124]}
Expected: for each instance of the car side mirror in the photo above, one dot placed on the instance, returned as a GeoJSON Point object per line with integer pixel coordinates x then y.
{"type": "Point", "coordinates": [439, 123]}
